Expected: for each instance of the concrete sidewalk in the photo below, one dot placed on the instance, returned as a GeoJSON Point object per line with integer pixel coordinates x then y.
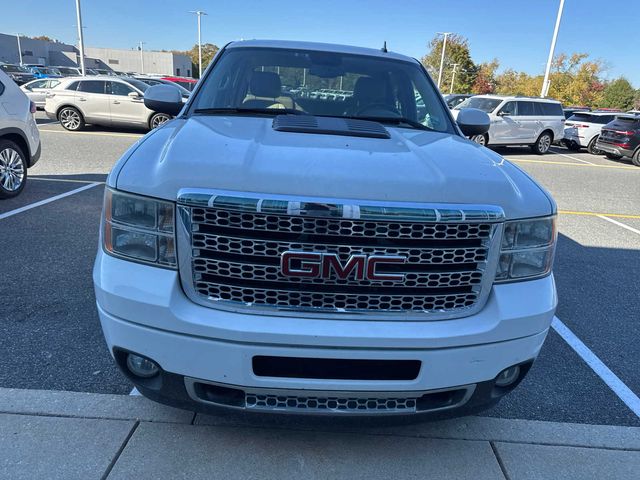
{"type": "Point", "coordinates": [66, 435]}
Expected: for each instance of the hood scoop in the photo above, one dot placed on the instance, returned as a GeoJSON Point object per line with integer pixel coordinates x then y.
{"type": "Point", "coordinates": [329, 126]}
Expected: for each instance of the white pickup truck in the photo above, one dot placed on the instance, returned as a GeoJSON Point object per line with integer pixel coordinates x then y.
{"type": "Point", "coordinates": [272, 251]}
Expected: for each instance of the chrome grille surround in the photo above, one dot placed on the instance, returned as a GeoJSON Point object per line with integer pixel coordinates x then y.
{"type": "Point", "coordinates": [229, 244]}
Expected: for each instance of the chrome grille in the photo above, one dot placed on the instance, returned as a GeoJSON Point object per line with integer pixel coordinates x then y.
{"type": "Point", "coordinates": [230, 248]}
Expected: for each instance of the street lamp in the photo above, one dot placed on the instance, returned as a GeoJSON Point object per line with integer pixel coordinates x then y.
{"type": "Point", "coordinates": [453, 76]}
{"type": "Point", "coordinates": [546, 83]}
{"type": "Point", "coordinates": [444, 46]}
{"type": "Point", "coordinates": [19, 48]}
{"type": "Point", "coordinates": [140, 47]}
{"type": "Point", "coordinates": [80, 37]}
{"type": "Point", "coordinates": [199, 13]}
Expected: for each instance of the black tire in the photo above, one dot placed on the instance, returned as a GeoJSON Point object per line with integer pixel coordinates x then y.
{"type": "Point", "coordinates": [542, 143]}
{"type": "Point", "coordinates": [13, 168]}
{"type": "Point", "coordinates": [158, 119]}
{"type": "Point", "coordinates": [71, 119]}
{"type": "Point", "coordinates": [591, 148]}
{"type": "Point", "coordinates": [574, 147]}
{"type": "Point", "coordinates": [635, 159]}
{"type": "Point", "coordinates": [613, 156]}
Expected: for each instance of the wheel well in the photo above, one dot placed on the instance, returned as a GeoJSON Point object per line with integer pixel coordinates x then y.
{"type": "Point", "coordinates": [550, 132]}
{"type": "Point", "coordinates": [20, 141]}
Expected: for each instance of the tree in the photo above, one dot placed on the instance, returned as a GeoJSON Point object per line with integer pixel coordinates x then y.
{"type": "Point", "coordinates": [456, 52]}
{"type": "Point", "coordinates": [209, 51]}
{"type": "Point", "coordinates": [44, 38]}
{"type": "Point", "coordinates": [485, 81]}
{"type": "Point", "coordinates": [575, 80]}
{"type": "Point", "coordinates": [619, 94]}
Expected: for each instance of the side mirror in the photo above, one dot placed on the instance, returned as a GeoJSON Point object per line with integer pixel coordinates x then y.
{"type": "Point", "coordinates": [473, 121]}
{"type": "Point", "coordinates": [163, 99]}
{"type": "Point", "coordinates": [133, 95]}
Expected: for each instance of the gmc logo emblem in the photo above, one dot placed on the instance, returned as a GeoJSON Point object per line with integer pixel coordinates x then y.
{"type": "Point", "coordinates": [327, 265]}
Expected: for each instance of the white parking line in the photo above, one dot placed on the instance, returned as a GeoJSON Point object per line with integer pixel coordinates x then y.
{"type": "Point", "coordinates": [572, 157]}
{"type": "Point", "coordinates": [620, 224]}
{"type": "Point", "coordinates": [47, 200]}
{"type": "Point", "coordinates": [618, 387]}
{"type": "Point", "coordinates": [135, 392]}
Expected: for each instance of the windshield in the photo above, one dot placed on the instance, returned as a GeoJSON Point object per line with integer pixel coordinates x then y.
{"type": "Point", "coordinates": [67, 70]}
{"type": "Point", "coordinates": [14, 69]}
{"type": "Point", "coordinates": [50, 71]}
{"type": "Point", "coordinates": [485, 104]}
{"type": "Point", "coordinates": [136, 83]}
{"type": "Point", "coordinates": [324, 84]}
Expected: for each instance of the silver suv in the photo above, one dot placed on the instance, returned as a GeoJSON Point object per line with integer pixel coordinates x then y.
{"type": "Point", "coordinates": [101, 100]}
{"type": "Point", "coordinates": [19, 137]}
{"type": "Point", "coordinates": [516, 120]}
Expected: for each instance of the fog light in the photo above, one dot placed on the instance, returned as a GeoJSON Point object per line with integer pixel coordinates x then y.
{"type": "Point", "coordinates": [141, 367]}
{"type": "Point", "coordinates": [508, 376]}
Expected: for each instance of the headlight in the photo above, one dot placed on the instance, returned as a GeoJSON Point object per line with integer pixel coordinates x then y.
{"type": "Point", "coordinates": [139, 228]}
{"type": "Point", "coordinates": [527, 251]}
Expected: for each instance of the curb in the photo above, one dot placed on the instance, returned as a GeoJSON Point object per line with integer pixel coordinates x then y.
{"type": "Point", "coordinates": [137, 408]}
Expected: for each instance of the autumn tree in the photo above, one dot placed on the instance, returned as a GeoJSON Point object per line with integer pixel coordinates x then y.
{"type": "Point", "coordinates": [575, 80]}
{"type": "Point", "coordinates": [618, 94]}
{"type": "Point", "coordinates": [485, 81]}
{"type": "Point", "coordinates": [44, 38]}
{"type": "Point", "coordinates": [209, 51]}
{"type": "Point", "coordinates": [456, 52]}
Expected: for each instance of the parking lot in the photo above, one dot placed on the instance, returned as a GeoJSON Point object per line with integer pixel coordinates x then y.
{"type": "Point", "coordinates": [587, 371]}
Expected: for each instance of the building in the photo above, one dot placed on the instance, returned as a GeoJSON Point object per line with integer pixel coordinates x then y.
{"type": "Point", "coordinates": [34, 51]}
{"type": "Point", "coordinates": [147, 61]}
{"type": "Point", "coordinates": [61, 54]}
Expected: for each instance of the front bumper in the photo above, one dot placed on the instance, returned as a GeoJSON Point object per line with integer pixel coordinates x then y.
{"type": "Point", "coordinates": [144, 310]}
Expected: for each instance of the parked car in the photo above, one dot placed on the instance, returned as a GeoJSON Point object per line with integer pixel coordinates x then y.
{"type": "Point", "coordinates": [533, 121]}
{"type": "Point", "coordinates": [621, 138]}
{"type": "Point", "coordinates": [569, 111]}
{"type": "Point", "coordinates": [582, 130]}
{"type": "Point", "coordinates": [37, 90]}
{"type": "Point", "coordinates": [101, 100]}
{"type": "Point", "coordinates": [454, 99]}
{"type": "Point", "coordinates": [19, 137]}
{"type": "Point", "coordinates": [185, 82]}
{"type": "Point", "coordinates": [74, 71]}
{"type": "Point", "coordinates": [322, 256]}
{"type": "Point", "coordinates": [45, 72]}
{"type": "Point", "coordinates": [17, 73]}
{"type": "Point", "coordinates": [161, 81]}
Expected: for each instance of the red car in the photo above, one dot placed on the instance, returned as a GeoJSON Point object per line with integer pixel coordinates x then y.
{"type": "Point", "coordinates": [186, 82]}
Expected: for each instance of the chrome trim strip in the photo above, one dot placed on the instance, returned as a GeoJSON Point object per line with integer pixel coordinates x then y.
{"type": "Point", "coordinates": [190, 387]}
{"type": "Point", "coordinates": [340, 208]}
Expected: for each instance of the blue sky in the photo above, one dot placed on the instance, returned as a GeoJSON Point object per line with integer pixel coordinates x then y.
{"type": "Point", "coordinates": [517, 32]}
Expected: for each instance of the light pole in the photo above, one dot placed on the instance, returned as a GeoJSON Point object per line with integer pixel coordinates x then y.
{"type": "Point", "coordinates": [19, 48]}
{"type": "Point", "coordinates": [547, 83]}
{"type": "Point", "coordinates": [141, 57]}
{"type": "Point", "coordinates": [80, 37]}
{"type": "Point", "coordinates": [453, 76]}
{"type": "Point", "coordinates": [444, 46]}
{"type": "Point", "coordinates": [199, 13]}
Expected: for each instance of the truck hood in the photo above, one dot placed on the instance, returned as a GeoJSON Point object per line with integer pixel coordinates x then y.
{"type": "Point", "coordinates": [245, 154]}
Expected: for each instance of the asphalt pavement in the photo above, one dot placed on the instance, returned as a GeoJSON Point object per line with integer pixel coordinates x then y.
{"type": "Point", "coordinates": [52, 338]}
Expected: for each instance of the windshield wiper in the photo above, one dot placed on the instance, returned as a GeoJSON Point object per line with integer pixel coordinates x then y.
{"type": "Point", "coordinates": [245, 111]}
{"type": "Point", "coordinates": [394, 121]}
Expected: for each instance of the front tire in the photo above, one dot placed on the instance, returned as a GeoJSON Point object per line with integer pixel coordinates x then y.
{"type": "Point", "coordinates": [13, 169]}
{"type": "Point", "coordinates": [592, 146]}
{"type": "Point", "coordinates": [158, 119]}
{"type": "Point", "coordinates": [71, 119]}
{"type": "Point", "coordinates": [542, 144]}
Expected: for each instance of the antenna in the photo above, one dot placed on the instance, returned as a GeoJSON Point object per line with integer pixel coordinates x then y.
{"type": "Point", "coordinates": [384, 47]}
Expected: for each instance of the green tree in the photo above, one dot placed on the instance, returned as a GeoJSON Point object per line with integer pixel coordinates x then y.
{"type": "Point", "coordinates": [456, 52]}
{"type": "Point", "coordinates": [619, 94]}
{"type": "Point", "coordinates": [209, 51]}
{"type": "Point", "coordinates": [575, 80]}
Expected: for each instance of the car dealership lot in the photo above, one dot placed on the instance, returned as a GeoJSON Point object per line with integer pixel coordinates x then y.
{"type": "Point", "coordinates": [56, 343]}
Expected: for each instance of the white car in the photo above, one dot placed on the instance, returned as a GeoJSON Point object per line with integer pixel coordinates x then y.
{"type": "Point", "coordinates": [582, 130]}
{"type": "Point", "coordinates": [37, 90]}
{"type": "Point", "coordinates": [516, 120]}
{"type": "Point", "coordinates": [19, 137]}
{"type": "Point", "coordinates": [355, 257]}
{"type": "Point", "coordinates": [101, 100]}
